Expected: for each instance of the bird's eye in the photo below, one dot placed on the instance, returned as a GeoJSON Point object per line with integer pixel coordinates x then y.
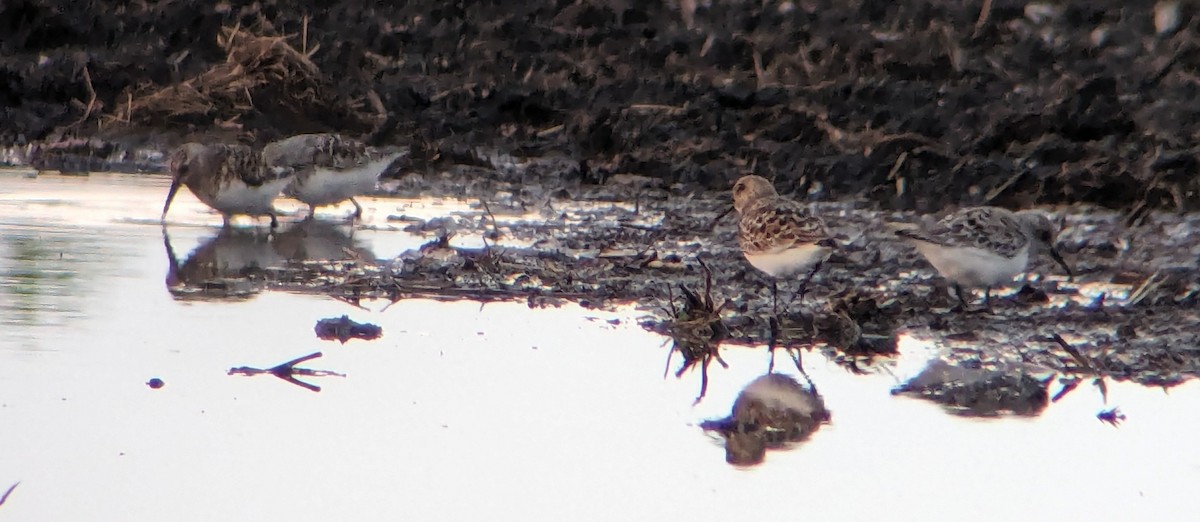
{"type": "Point", "coordinates": [1045, 236]}
{"type": "Point", "coordinates": [738, 188]}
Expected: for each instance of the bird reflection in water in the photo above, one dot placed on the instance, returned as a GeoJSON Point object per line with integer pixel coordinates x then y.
{"type": "Point", "coordinates": [770, 412]}
{"type": "Point", "coordinates": [239, 263]}
{"type": "Point", "coordinates": [972, 389]}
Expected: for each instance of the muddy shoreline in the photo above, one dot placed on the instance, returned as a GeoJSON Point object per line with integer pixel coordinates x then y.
{"type": "Point", "coordinates": [907, 105]}
{"type": "Point", "coordinates": [1130, 313]}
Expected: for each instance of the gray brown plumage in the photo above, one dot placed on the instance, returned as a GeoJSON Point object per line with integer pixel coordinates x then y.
{"type": "Point", "coordinates": [984, 246]}
{"type": "Point", "coordinates": [231, 179]}
{"type": "Point", "coordinates": [328, 168]}
{"type": "Point", "coordinates": [778, 236]}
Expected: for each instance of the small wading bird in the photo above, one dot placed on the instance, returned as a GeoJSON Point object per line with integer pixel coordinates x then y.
{"type": "Point", "coordinates": [984, 246]}
{"type": "Point", "coordinates": [229, 178]}
{"type": "Point", "coordinates": [328, 168]}
{"type": "Point", "coordinates": [778, 236]}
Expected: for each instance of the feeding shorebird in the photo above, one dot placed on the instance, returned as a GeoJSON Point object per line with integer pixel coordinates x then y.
{"type": "Point", "coordinates": [778, 236]}
{"type": "Point", "coordinates": [329, 168]}
{"type": "Point", "coordinates": [984, 246]}
{"type": "Point", "coordinates": [229, 178]}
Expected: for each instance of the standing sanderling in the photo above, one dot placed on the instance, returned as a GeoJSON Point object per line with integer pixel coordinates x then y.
{"type": "Point", "coordinates": [983, 246]}
{"type": "Point", "coordinates": [229, 178]}
{"type": "Point", "coordinates": [329, 168]}
{"type": "Point", "coordinates": [778, 236]}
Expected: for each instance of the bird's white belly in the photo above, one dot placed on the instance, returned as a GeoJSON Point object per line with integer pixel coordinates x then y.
{"type": "Point", "coordinates": [972, 266]}
{"type": "Point", "coordinates": [239, 198]}
{"type": "Point", "coordinates": [328, 186]}
{"type": "Point", "coordinates": [788, 262]}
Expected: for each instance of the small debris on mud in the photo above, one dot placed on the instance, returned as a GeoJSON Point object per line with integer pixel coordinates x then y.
{"type": "Point", "coordinates": [343, 329]}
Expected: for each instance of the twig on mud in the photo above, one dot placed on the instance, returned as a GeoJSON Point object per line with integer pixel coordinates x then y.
{"type": "Point", "coordinates": [985, 11]}
{"type": "Point", "coordinates": [304, 35]}
{"type": "Point", "coordinates": [892, 174]}
{"type": "Point", "coordinates": [4, 497]}
{"type": "Point", "coordinates": [491, 217]}
{"type": "Point", "coordinates": [991, 195]}
{"type": "Point", "coordinates": [1148, 286]}
{"type": "Point", "coordinates": [651, 107]}
{"type": "Point", "coordinates": [1074, 353]}
{"type": "Point", "coordinates": [759, 74]}
{"type": "Point", "coordinates": [548, 131]}
{"type": "Point", "coordinates": [1087, 365]}
{"type": "Point", "coordinates": [91, 103]}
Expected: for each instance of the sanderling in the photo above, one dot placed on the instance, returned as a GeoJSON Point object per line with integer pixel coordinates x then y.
{"type": "Point", "coordinates": [229, 178]}
{"type": "Point", "coordinates": [329, 168]}
{"type": "Point", "coordinates": [778, 236]}
{"type": "Point", "coordinates": [983, 246]}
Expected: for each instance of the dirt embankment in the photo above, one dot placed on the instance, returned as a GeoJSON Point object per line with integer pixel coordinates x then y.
{"type": "Point", "coordinates": [913, 104]}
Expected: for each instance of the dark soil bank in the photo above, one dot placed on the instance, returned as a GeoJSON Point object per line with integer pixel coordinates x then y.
{"type": "Point", "coordinates": [911, 103]}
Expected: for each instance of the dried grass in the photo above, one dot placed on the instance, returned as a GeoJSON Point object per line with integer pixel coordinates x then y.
{"type": "Point", "coordinates": [252, 64]}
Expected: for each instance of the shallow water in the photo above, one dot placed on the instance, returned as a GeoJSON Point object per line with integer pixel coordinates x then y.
{"type": "Point", "coordinates": [468, 410]}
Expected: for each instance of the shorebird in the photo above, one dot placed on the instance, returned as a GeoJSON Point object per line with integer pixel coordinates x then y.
{"type": "Point", "coordinates": [984, 246]}
{"type": "Point", "coordinates": [229, 178]}
{"type": "Point", "coordinates": [778, 236]}
{"type": "Point", "coordinates": [329, 168]}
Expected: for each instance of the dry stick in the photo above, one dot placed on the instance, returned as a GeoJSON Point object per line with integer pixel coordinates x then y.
{"type": "Point", "coordinates": [488, 209]}
{"type": "Point", "coordinates": [1004, 186]}
{"type": "Point", "coordinates": [759, 77]}
{"type": "Point", "coordinates": [1149, 285]}
{"type": "Point", "coordinates": [896, 170]}
{"type": "Point", "coordinates": [1086, 364]}
{"type": "Point", "coordinates": [4, 497]}
{"type": "Point", "coordinates": [984, 12]}
{"type": "Point", "coordinates": [304, 36]}
{"type": "Point", "coordinates": [87, 84]}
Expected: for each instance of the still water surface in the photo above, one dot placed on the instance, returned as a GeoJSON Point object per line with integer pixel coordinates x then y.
{"type": "Point", "coordinates": [464, 410]}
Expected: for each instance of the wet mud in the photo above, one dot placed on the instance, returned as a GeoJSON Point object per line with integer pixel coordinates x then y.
{"type": "Point", "coordinates": [910, 105]}
{"type": "Point", "coordinates": [1130, 313]}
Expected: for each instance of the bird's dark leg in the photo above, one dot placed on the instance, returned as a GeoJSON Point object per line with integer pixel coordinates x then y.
{"type": "Point", "coordinates": [775, 297]}
{"type": "Point", "coordinates": [357, 209]}
{"type": "Point", "coordinates": [987, 298]}
{"type": "Point", "coordinates": [274, 222]}
{"type": "Point", "coordinates": [804, 285]}
{"type": "Point", "coordinates": [225, 221]}
{"type": "Point", "coordinates": [962, 300]}
{"type": "Point", "coordinates": [312, 213]}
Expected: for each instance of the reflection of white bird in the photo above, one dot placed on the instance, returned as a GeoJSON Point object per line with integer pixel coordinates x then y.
{"type": "Point", "coordinates": [312, 240]}
{"type": "Point", "coordinates": [230, 265]}
{"type": "Point", "coordinates": [328, 168]}
{"type": "Point", "coordinates": [228, 178]}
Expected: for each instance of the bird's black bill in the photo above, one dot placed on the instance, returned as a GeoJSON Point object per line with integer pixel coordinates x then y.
{"type": "Point", "coordinates": [1059, 259]}
{"type": "Point", "coordinates": [170, 196]}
